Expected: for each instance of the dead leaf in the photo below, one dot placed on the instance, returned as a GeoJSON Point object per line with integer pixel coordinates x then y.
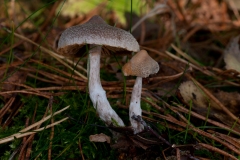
{"type": "Point", "coordinates": [232, 55]}
{"type": "Point", "coordinates": [194, 97]}
{"type": "Point", "coordinates": [99, 138]}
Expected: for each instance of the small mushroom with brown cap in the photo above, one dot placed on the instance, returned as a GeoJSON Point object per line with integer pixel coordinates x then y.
{"type": "Point", "coordinates": [141, 65]}
{"type": "Point", "coordinates": [97, 37]}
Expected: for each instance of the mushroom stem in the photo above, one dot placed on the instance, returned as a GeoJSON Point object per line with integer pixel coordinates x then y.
{"type": "Point", "coordinates": [97, 93]}
{"type": "Point", "coordinates": [135, 108]}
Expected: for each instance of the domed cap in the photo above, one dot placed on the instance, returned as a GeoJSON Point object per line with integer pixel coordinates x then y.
{"type": "Point", "coordinates": [141, 65]}
{"type": "Point", "coordinates": [96, 31]}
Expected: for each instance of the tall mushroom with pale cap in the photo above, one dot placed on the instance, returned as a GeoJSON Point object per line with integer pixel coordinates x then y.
{"type": "Point", "coordinates": [99, 38]}
{"type": "Point", "coordinates": [141, 65]}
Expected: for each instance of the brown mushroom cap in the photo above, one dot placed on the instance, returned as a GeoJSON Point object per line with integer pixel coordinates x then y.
{"type": "Point", "coordinates": [96, 31]}
{"type": "Point", "coordinates": [141, 65]}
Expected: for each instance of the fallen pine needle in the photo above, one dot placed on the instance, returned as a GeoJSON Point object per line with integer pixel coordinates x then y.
{"type": "Point", "coordinates": [53, 54]}
{"type": "Point", "coordinates": [20, 135]}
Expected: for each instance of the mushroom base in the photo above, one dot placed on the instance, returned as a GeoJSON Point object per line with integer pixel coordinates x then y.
{"type": "Point", "coordinates": [97, 93]}
{"type": "Point", "coordinates": [135, 108]}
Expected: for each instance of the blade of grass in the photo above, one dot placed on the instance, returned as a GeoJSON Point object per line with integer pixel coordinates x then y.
{"type": "Point", "coordinates": [189, 123]}
{"type": "Point", "coordinates": [131, 17]}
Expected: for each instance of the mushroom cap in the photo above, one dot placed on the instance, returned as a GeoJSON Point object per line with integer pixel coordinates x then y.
{"type": "Point", "coordinates": [95, 31]}
{"type": "Point", "coordinates": [141, 65]}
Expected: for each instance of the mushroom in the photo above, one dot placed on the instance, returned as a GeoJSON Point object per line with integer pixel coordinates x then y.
{"type": "Point", "coordinates": [96, 37]}
{"type": "Point", "coordinates": [141, 65]}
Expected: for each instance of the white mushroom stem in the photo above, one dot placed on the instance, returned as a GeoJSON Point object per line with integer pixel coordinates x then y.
{"type": "Point", "coordinates": [140, 65]}
{"type": "Point", "coordinates": [135, 108]}
{"type": "Point", "coordinates": [97, 93]}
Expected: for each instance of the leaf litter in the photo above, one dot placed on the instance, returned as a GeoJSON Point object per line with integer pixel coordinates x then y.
{"type": "Point", "coordinates": [100, 138]}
